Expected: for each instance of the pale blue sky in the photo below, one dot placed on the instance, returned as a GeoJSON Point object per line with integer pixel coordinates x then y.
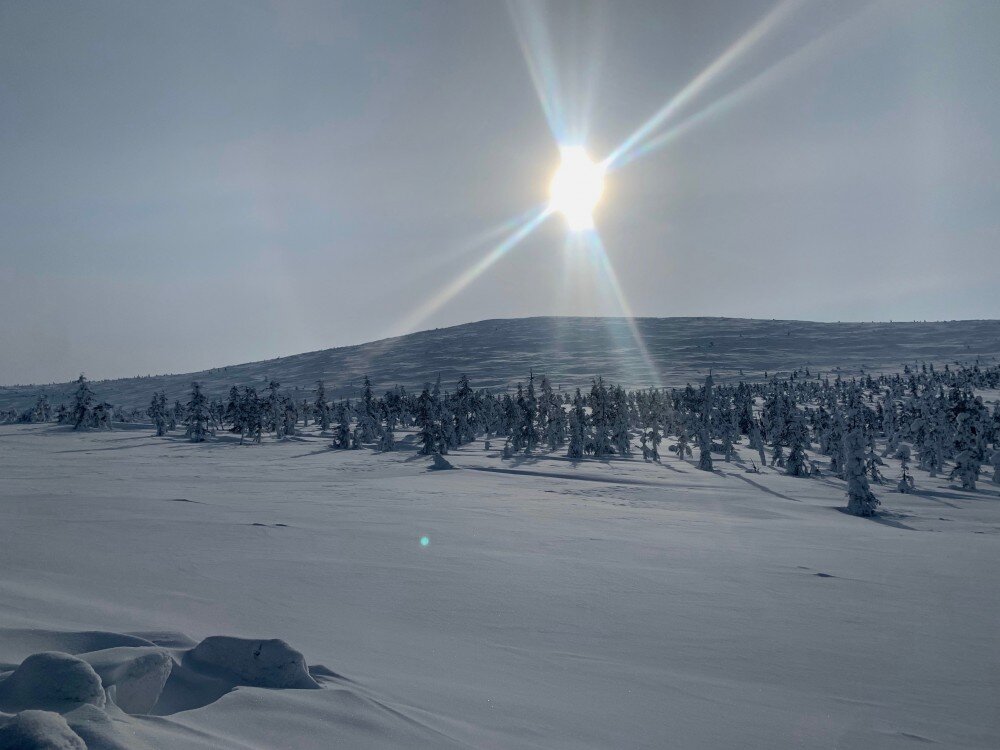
{"type": "Point", "coordinates": [191, 184]}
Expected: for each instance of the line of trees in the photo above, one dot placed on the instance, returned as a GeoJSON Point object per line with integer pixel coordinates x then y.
{"type": "Point", "coordinates": [804, 425]}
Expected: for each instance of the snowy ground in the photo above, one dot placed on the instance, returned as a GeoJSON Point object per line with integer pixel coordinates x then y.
{"type": "Point", "coordinates": [598, 605]}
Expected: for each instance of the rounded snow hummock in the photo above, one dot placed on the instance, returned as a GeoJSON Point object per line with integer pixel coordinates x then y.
{"type": "Point", "coordinates": [133, 676]}
{"type": "Point", "coordinates": [39, 730]}
{"type": "Point", "coordinates": [53, 681]}
{"type": "Point", "coordinates": [270, 664]}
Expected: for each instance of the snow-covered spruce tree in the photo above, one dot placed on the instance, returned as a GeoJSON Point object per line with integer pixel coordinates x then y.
{"type": "Point", "coordinates": [576, 431]}
{"type": "Point", "coordinates": [252, 415]}
{"type": "Point", "coordinates": [516, 419]}
{"type": "Point", "coordinates": [555, 424]}
{"type": "Point", "coordinates": [157, 412]}
{"type": "Point", "coordinates": [860, 500]}
{"type": "Point", "coordinates": [705, 426]}
{"type": "Point", "coordinates": [967, 462]}
{"type": "Point", "coordinates": [683, 443]}
{"type": "Point", "coordinates": [930, 430]}
{"type": "Point", "coordinates": [366, 430]}
{"type": "Point", "coordinates": [83, 404]}
{"type": "Point", "coordinates": [906, 484]}
{"type": "Point", "coordinates": [426, 430]}
{"type": "Point", "coordinates": [649, 412]}
{"type": "Point", "coordinates": [176, 416]}
{"type": "Point", "coordinates": [274, 417]}
{"type": "Point", "coordinates": [835, 443]}
{"type": "Point", "coordinates": [890, 426]}
{"type": "Point", "coordinates": [234, 414]}
{"type": "Point", "coordinates": [387, 436]}
{"type": "Point", "coordinates": [530, 416]}
{"type": "Point", "coordinates": [621, 438]}
{"type": "Point", "coordinates": [464, 406]}
{"type": "Point", "coordinates": [342, 429]}
{"type": "Point", "coordinates": [757, 441]}
{"type": "Point", "coordinates": [322, 408]}
{"type": "Point", "coordinates": [42, 412]}
{"type": "Point", "coordinates": [102, 415]}
{"type": "Point", "coordinates": [62, 414]}
{"type": "Point", "coordinates": [445, 425]}
{"type": "Point", "coordinates": [797, 436]}
{"type": "Point", "coordinates": [291, 416]}
{"type": "Point", "coordinates": [600, 419]}
{"type": "Point", "coordinates": [546, 398]}
{"type": "Point", "coordinates": [197, 417]}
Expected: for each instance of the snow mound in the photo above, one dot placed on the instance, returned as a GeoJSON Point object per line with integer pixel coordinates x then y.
{"type": "Point", "coordinates": [97, 730]}
{"type": "Point", "coordinates": [39, 730]}
{"type": "Point", "coordinates": [134, 677]}
{"type": "Point", "coordinates": [53, 681]}
{"type": "Point", "coordinates": [268, 663]}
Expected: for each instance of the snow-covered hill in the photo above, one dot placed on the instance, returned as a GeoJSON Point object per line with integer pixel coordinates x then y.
{"type": "Point", "coordinates": [496, 353]}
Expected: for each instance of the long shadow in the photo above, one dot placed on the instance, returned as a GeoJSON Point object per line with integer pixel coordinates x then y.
{"type": "Point", "coordinates": [563, 475]}
{"type": "Point", "coordinates": [934, 495]}
{"type": "Point", "coordinates": [880, 518]}
{"type": "Point", "coordinates": [112, 448]}
{"type": "Point", "coordinates": [762, 488]}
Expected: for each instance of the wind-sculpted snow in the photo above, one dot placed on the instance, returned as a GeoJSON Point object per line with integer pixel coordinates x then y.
{"type": "Point", "coordinates": [59, 700]}
{"type": "Point", "coordinates": [571, 351]}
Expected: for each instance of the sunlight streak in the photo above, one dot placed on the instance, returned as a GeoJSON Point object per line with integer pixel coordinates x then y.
{"type": "Point", "coordinates": [434, 304]}
{"type": "Point", "coordinates": [808, 54]}
{"type": "Point", "coordinates": [602, 262]}
{"type": "Point", "coordinates": [701, 81]}
{"type": "Point", "coordinates": [536, 46]}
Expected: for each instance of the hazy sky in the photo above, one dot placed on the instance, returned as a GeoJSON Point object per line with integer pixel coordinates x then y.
{"type": "Point", "coordinates": [184, 185]}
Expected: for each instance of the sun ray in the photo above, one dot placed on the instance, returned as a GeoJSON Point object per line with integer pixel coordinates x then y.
{"type": "Point", "coordinates": [700, 82]}
{"type": "Point", "coordinates": [603, 264]}
{"type": "Point", "coordinates": [536, 47]}
{"type": "Point", "coordinates": [808, 54]}
{"type": "Point", "coordinates": [436, 302]}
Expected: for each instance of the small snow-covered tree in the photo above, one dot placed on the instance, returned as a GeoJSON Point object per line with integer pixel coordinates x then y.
{"type": "Point", "coordinates": [600, 419]}
{"type": "Point", "coordinates": [366, 430]}
{"type": "Point", "coordinates": [967, 457]}
{"type": "Point", "coordinates": [906, 484]}
{"type": "Point", "coordinates": [322, 408]}
{"type": "Point", "coordinates": [83, 404]}
{"type": "Point", "coordinates": [621, 438]}
{"type": "Point", "coordinates": [860, 500]}
{"type": "Point", "coordinates": [342, 430]}
{"type": "Point", "coordinates": [797, 436]}
{"type": "Point", "coordinates": [157, 412]}
{"type": "Point", "coordinates": [197, 417]}
{"type": "Point", "coordinates": [576, 432]}
{"type": "Point", "coordinates": [705, 427]}
{"type": "Point", "coordinates": [757, 441]}
{"type": "Point", "coordinates": [426, 431]}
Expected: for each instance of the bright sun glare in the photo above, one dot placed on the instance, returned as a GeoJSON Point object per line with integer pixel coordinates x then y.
{"type": "Point", "coordinates": [576, 188]}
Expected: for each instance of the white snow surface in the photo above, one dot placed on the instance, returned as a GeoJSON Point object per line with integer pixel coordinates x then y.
{"type": "Point", "coordinates": [599, 604]}
{"type": "Point", "coordinates": [571, 351]}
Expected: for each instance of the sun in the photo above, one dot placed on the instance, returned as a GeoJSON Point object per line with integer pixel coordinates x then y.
{"type": "Point", "coordinates": [576, 188]}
